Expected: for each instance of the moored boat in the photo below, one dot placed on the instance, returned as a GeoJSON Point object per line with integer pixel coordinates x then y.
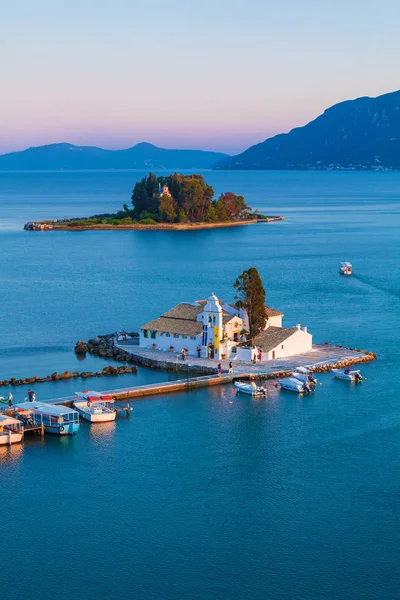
{"type": "Point", "coordinates": [59, 420]}
{"type": "Point", "coordinates": [11, 430]}
{"type": "Point", "coordinates": [305, 376]}
{"type": "Point", "coordinates": [294, 385]}
{"type": "Point", "coordinates": [95, 407]}
{"type": "Point", "coordinates": [250, 388]}
{"type": "Point", "coordinates": [345, 268]}
{"type": "Point", "coordinates": [347, 374]}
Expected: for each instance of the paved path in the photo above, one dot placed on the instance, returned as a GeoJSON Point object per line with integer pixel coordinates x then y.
{"type": "Point", "coordinates": [321, 354]}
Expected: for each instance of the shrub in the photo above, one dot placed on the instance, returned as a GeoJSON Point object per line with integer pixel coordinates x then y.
{"type": "Point", "coordinates": [148, 222]}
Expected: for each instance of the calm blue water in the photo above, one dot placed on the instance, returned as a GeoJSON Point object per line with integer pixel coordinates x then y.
{"type": "Point", "coordinates": [206, 495]}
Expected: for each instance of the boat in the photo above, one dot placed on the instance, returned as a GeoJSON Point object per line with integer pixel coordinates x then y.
{"type": "Point", "coordinates": [349, 376]}
{"type": "Point", "coordinates": [11, 430]}
{"type": "Point", "coordinates": [294, 385]}
{"type": "Point", "coordinates": [95, 407]}
{"type": "Point", "coordinates": [305, 376]}
{"type": "Point", "coordinates": [250, 388]}
{"type": "Point", "coordinates": [345, 268]}
{"type": "Point", "coordinates": [59, 420]}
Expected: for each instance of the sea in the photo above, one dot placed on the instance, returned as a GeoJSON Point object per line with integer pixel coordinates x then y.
{"type": "Point", "coordinates": [205, 495]}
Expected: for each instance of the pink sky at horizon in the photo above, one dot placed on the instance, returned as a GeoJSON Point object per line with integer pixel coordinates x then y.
{"type": "Point", "coordinates": [212, 75]}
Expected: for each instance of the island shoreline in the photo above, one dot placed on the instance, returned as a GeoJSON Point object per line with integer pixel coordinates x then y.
{"type": "Point", "coordinates": [63, 226]}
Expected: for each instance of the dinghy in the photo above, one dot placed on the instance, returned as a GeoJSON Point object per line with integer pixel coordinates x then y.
{"type": "Point", "coordinates": [294, 385]}
{"type": "Point", "coordinates": [305, 376]}
{"type": "Point", "coordinates": [348, 376]}
{"type": "Point", "coordinates": [250, 388]}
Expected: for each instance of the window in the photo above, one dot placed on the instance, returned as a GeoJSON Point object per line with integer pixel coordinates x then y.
{"type": "Point", "coordinates": [145, 333]}
{"type": "Point", "coordinates": [282, 346]}
{"type": "Point", "coordinates": [168, 334]}
{"type": "Point", "coordinates": [153, 335]}
{"type": "Point", "coordinates": [184, 337]}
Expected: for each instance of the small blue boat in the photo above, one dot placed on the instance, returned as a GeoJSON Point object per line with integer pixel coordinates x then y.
{"type": "Point", "coordinates": [59, 420]}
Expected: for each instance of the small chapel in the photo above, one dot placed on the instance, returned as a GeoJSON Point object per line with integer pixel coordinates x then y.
{"type": "Point", "coordinates": [214, 329]}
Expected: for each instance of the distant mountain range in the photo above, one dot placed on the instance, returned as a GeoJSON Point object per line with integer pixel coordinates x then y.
{"type": "Point", "coordinates": [356, 134]}
{"type": "Point", "coordinates": [142, 156]}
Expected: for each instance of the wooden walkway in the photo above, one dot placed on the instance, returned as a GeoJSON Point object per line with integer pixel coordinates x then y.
{"type": "Point", "coordinates": [157, 389]}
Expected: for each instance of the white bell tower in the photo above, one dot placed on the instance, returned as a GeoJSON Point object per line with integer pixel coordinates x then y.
{"type": "Point", "coordinates": [212, 327]}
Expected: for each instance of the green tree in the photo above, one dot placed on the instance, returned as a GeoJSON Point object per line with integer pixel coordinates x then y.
{"type": "Point", "coordinates": [211, 215]}
{"type": "Point", "coordinates": [167, 208]}
{"type": "Point", "coordinates": [182, 216]}
{"type": "Point", "coordinates": [251, 297]}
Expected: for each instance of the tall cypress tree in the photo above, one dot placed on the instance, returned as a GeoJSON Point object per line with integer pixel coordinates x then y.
{"type": "Point", "coordinates": [251, 297]}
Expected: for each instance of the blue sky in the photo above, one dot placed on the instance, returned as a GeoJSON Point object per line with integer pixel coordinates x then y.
{"type": "Point", "coordinates": [185, 73]}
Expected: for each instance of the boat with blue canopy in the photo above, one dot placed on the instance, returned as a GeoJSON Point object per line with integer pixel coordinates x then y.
{"type": "Point", "coordinates": [59, 420]}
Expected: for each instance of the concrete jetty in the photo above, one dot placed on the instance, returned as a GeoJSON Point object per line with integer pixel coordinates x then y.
{"type": "Point", "coordinates": [321, 358]}
{"type": "Point", "coordinates": [159, 389]}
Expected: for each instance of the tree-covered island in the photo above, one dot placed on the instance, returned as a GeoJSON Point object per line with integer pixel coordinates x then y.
{"type": "Point", "coordinates": [184, 199]}
{"type": "Point", "coordinates": [175, 201]}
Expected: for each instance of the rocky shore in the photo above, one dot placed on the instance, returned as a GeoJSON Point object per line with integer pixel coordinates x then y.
{"type": "Point", "coordinates": [106, 372]}
{"type": "Point", "coordinates": [104, 346]}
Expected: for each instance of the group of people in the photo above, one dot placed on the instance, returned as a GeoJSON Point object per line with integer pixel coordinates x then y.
{"type": "Point", "coordinates": [230, 370]}
{"type": "Point", "coordinates": [31, 397]}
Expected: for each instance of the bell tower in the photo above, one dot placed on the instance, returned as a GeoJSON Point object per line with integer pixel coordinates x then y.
{"type": "Point", "coordinates": [212, 327]}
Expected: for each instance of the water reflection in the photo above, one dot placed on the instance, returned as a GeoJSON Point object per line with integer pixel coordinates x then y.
{"type": "Point", "coordinates": [100, 432]}
{"type": "Point", "coordinates": [11, 454]}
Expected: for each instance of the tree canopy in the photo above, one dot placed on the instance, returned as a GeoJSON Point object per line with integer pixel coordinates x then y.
{"type": "Point", "coordinates": [251, 297]}
{"type": "Point", "coordinates": [186, 198]}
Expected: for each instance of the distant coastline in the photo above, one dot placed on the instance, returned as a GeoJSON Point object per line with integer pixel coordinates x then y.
{"type": "Point", "coordinates": [68, 225]}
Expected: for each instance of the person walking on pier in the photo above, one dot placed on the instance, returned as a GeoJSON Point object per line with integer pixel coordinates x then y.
{"type": "Point", "coordinates": [10, 399]}
{"type": "Point", "coordinates": [30, 395]}
{"type": "Point", "coordinates": [230, 368]}
{"type": "Point", "coordinates": [219, 370]}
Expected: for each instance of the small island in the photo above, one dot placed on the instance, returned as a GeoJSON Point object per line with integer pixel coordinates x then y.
{"type": "Point", "coordinates": [173, 202]}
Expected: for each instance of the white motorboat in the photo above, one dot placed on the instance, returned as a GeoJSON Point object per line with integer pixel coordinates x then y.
{"type": "Point", "coordinates": [95, 407]}
{"type": "Point", "coordinates": [348, 376]}
{"type": "Point", "coordinates": [305, 376]}
{"type": "Point", "coordinates": [11, 430]}
{"type": "Point", "coordinates": [292, 385]}
{"type": "Point", "coordinates": [250, 388]}
{"type": "Point", "coordinates": [345, 268]}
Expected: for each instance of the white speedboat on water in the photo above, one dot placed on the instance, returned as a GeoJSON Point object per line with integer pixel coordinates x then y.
{"type": "Point", "coordinates": [305, 376]}
{"type": "Point", "coordinates": [11, 430]}
{"type": "Point", "coordinates": [250, 388]}
{"type": "Point", "coordinates": [346, 268]}
{"type": "Point", "coordinates": [347, 374]}
{"type": "Point", "coordinates": [294, 385]}
{"type": "Point", "coordinates": [95, 407]}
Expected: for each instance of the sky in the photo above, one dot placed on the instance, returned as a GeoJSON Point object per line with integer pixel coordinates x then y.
{"type": "Point", "coordinates": [209, 74]}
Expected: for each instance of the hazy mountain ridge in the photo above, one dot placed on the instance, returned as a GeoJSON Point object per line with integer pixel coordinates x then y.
{"type": "Point", "coordinates": [69, 157]}
{"type": "Point", "coordinates": [354, 134]}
